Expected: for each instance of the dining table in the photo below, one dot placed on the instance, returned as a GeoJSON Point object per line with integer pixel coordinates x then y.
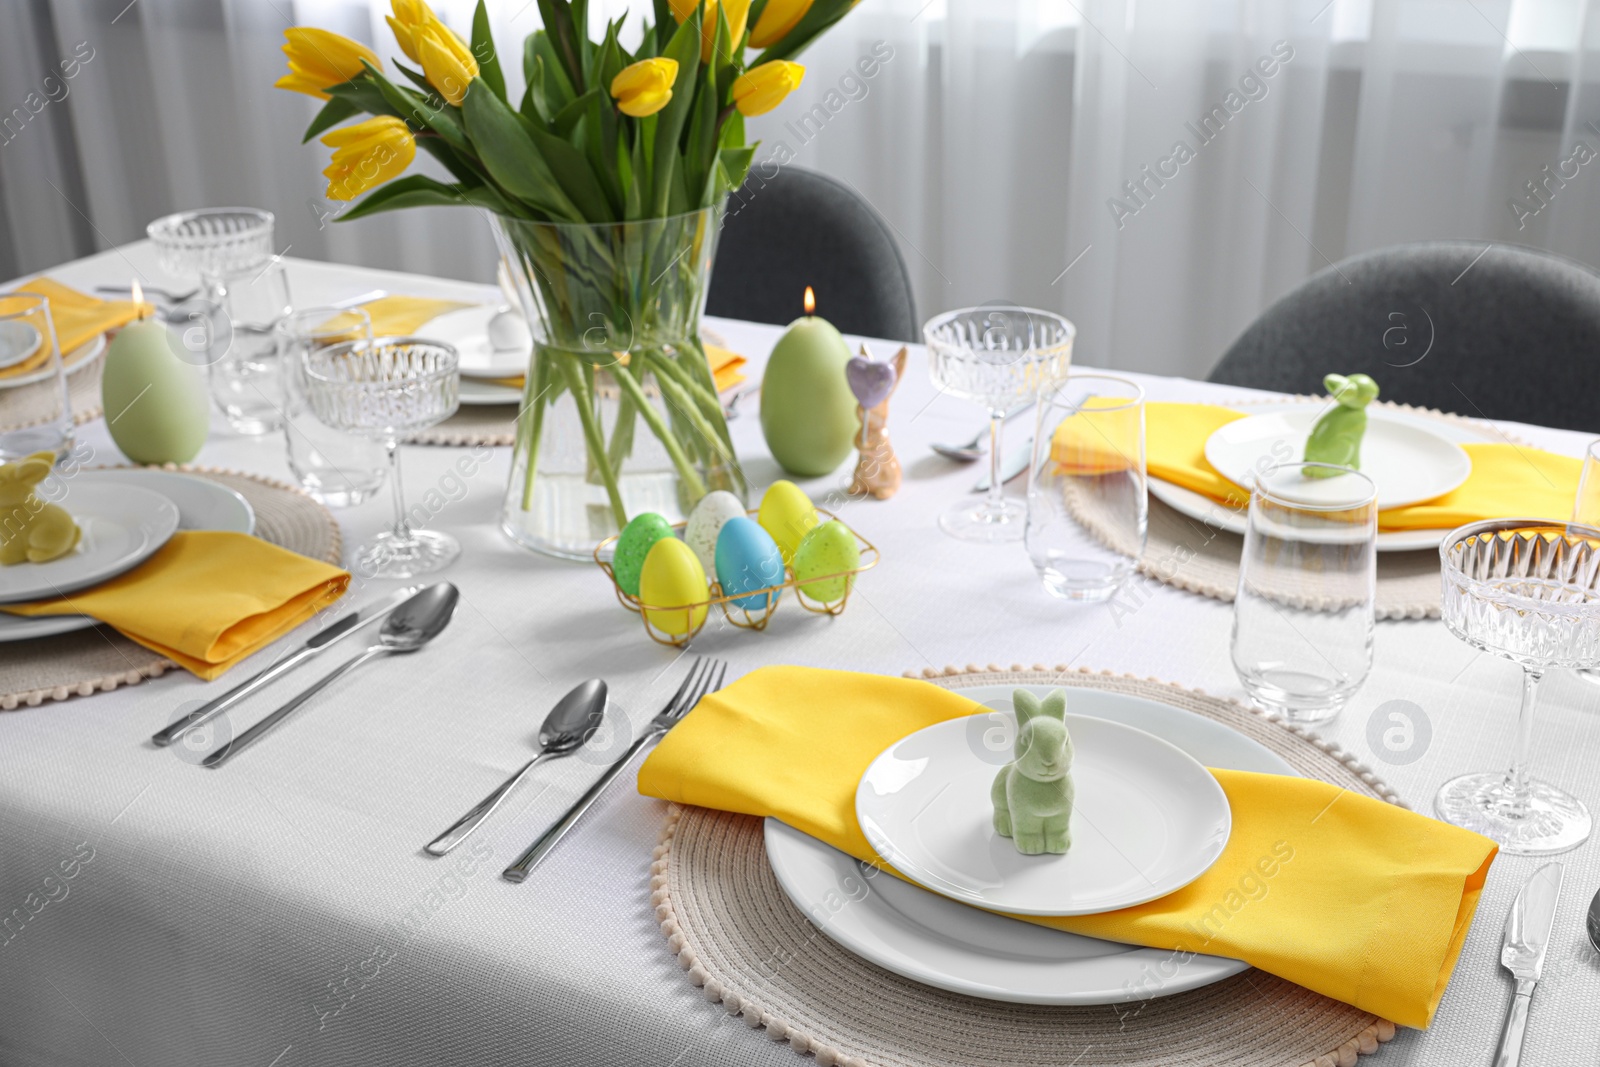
{"type": "Point", "coordinates": [281, 911]}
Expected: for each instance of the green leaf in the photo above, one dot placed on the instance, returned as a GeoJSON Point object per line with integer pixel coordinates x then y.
{"type": "Point", "coordinates": [568, 117]}
{"type": "Point", "coordinates": [366, 96]}
{"type": "Point", "coordinates": [573, 173]}
{"type": "Point", "coordinates": [665, 21]}
{"type": "Point", "coordinates": [484, 52]}
{"type": "Point", "coordinates": [608, 58]}
{"type": "Point", "coordinates": [597, 140]}
{"type": "Point", "coordinates": [558, 89]}
{"type": "Point", "coordinates": [734, 166]}
{"type": "Point", "coordinates": [414, 190]}
{"type": "Point", "coordinates": [335, 111]}
{"type": "Point", "coordinates": [557, 17]}
{"type": "Point", "coordinates": [534, 105]}
{"type": "Point", "coordinates": [428, 113]}
{"type": "Point", "coordinates": [508, 152]}
{"type": "Point", "coordinates": [631, 206]}
{"type": "Point", "coordinates": [823, 14]}
{"type": "Point", "coordinates": [685, 48]}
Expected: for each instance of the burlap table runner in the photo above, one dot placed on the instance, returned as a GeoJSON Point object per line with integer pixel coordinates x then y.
{"type": "Point", "coordinates": [727, 919]}
{"type": "Point", "coordinates": [100, 659]}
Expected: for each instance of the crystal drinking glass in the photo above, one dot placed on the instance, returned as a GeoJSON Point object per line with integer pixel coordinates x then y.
{"type": "Point", "coordinates": [1000, 357]}
{"type": "Point", "coordinates": [337, 468]}
{"type": "Point", "coordinates": [1303, 612]}
{"type": "Point", "coordinates": [247, 375]}
{"type": "Point", "coordinates": [1527, 590]}
{"type": "Point", "coordinates": [35, 409]}
{"type": "Point", "coordinates": [386, 389]}
{"type": "Point", "coordinates": [1087, 500]}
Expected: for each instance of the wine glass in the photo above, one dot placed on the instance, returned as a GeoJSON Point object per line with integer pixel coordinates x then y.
{"type": "Point", "coordinates": [1527, 590]}
{"type": "Point", "coordinates": [385, 389]}
{"type": "Point", "coordinates": [1586, 510]}
{"type": "Point", "coordinates": [1000, 357]}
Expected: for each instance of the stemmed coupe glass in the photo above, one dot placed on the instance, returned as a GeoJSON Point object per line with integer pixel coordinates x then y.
{"type": "Point", "coordinates": [385, 389]}
{"type": "Point", "coordinates": [1527, 590]}
{"type": "Point", "coordinates": [1001, 357]}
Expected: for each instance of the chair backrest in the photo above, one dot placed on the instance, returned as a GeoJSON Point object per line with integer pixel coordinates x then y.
{"type": "Point", "coordinates": [1493, 331]}
{"type": "Point", "coordinates": [802, 228]}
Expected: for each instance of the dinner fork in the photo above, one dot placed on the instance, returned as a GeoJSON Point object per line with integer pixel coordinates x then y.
{"type": "Point", "coordinates": [705, 676]}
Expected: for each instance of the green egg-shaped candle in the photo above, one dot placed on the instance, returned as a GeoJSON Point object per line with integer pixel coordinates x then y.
{"type": "Point", "coordinates": [155, 403]}
{"type": "Point", "coordinates": [808, 414]}
{"type": "Point", "coordinates": [638, 538]}
{"type": "Point", "coordinates": [829, 549]}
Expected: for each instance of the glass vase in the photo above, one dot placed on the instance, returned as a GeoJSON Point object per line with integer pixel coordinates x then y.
{"type": "Point", "coordinates": [620, 413]}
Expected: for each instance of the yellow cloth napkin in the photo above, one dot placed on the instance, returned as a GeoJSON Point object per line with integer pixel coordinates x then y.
{"type": "Point", "coordinates": [78, 319]}
{"type": "Point", "coordinates": [396, 316]}
{"type": "Point", "coordinates": [206, 599]}
{"type": "Point", "coordinates": [1506, 479]}
{"type": "Point", "coordinates": [725, 370]}
{"type": "Point", "coordinates": [1359, 900]}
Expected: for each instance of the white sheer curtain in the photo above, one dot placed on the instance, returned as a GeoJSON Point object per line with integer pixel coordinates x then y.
{"type": "Point", "coordinates": [1023, 150]}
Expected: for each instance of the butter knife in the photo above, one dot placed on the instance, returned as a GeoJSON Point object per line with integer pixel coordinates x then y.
{"type": "Point", "coordinates": [1015, 462]}
{"type": "Point", "coordinates": [321, 641]}
{"type": "Point", "coordinates": [1522, 952]}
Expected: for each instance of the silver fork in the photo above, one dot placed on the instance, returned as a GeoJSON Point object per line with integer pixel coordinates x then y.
{"type": "Point", "coordinates": [705, 676]}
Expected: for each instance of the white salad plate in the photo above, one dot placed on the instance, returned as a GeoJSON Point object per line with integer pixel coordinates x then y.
{"type": "Point", "coordinates": [467, 331]}
{"type": "Point", "coordinates": [75, 360]}
{"type": "Point", "coordinates": [1220, 516]}
{"type": "Point", "coordinates": [476, 393]}
{"type": "Point", "coordinates": [929, 939]}
{"type": "Point", "coordinates": [201, 504]}
{"type": "Point", "coordinates": [1147, 819]}
{"type": "Point", "coordinates": [122, 526]}
{"type": "Point", "coordinates": [18, 341]}
{"type": "Point", "coordinates": [1408, 463]}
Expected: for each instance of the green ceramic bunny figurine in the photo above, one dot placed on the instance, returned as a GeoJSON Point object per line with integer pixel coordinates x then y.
{"type": "Point", "coordinates": [1336, 438]}
{"type": "Point", "coordinates": [1033, 793]}
{"type": "Point", "coordinates": [32, 530]}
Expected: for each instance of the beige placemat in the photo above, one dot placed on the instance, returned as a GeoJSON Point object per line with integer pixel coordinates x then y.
{"type": "Point", "coordinates": [100, 659]}
{"type": "Point", "coordinates": [750, 949]}
{"type": "Point", "coordinates": [494, 425]}
{"type": "Point", "coordinates": [1196, 556]}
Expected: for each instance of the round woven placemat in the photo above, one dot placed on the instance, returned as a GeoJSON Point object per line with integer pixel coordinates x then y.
{"type": "Point", "coordinates": [35, 402]}
{"type": "Point", "coordinates": [750, 949]}
{"type": "Point", "coordinates": [494, 425]}
{"type": "Point", "coordinates": [1190, 554]}
{"type": "Point", "coordinates": [100, 659]}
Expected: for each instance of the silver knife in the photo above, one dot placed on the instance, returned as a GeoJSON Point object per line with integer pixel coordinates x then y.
{"type": "Point", "coordinates": [324, 639]}
{"type": "Point", "coordinates": [1015, 462]}
{"type": "Point", "coordinates": [1522, 952]}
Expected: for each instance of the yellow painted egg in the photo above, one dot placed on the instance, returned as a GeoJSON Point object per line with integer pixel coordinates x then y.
{"type": "Point", "coordinates": [788, 515]}
{"type": "Point", "coordinates": [673, 584]}
{"type": "Point", "coordinates": [829, 549]}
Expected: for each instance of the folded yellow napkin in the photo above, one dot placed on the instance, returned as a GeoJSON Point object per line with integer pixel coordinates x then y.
{"type": "Point", "coordinates": [206, 599]}
{"type": "Point", "coordinates": [725, 370]}
{"type": "Point", "coordinates": [396, 316]}
{"type": "Point", "coordinates": [1359, 900]}
{"type": "Point", "coordinates": [78, 319]}
{"type": "Point", "coordinates": [1506, 479]}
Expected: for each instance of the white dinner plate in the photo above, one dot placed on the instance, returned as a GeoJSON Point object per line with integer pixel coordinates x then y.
{"type": "Point", "coordinates": [478, 393]}
{"type": "Point", "coordinates": [75, 360]}
{"type": "Point", "coordinates": [1222, 517]}
{"type": "Point", "coordinates": [1407, 463]}
{"type": "Point", "coordinates": [202, 505]}
{"type": "Point", "coordinates": [924, 937]}
{"type": "Point", "coordinates": [18, 341]}
{"type": "Point", "coordinates": [1147, 819]}
{"type": "Point", "coordinates": [467, 330]}
{"type": "Point", "coordinates": [122, 526]}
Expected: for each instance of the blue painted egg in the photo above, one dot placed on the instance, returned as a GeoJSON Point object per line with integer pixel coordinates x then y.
{"type": "Point", "coordinates": [747, 560]}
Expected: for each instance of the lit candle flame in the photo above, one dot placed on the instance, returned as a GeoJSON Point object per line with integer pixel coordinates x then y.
{"type": "Point", "coordinates": [811, 301]}
{"type": "Point", "coordinates": [138, 292]}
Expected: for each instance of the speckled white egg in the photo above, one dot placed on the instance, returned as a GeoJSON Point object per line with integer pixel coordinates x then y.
{"type": "Point", "coordinates": [705, 523]}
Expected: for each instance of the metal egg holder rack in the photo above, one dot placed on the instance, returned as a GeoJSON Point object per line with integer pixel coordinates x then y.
{"type": "Point", "coordinates": [741, 617]}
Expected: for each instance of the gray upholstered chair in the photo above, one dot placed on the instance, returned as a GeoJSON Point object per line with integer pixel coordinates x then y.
{"type": "Point", "coordinates": [801, 228]}
{"type": "Point", "coordinates": [1511, 333]}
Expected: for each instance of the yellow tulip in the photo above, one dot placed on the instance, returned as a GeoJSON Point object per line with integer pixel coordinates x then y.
{"type": "Point", "coordinates": [366, 155]}
{"type": "Point", "coordinates": [777, 19]}
{"type": "Point", "coordinates": [319, 60]}
{"type": "Point", "coordinates": [737, 13]}
{"type": "Point", "coordinates": [760, 89]}
{"type": "Point", "coordinates": [410, 16]}
{"type": "Point", "coordinates": [643, 88]}
{"type": "Point", "coordinates": [447, 62]}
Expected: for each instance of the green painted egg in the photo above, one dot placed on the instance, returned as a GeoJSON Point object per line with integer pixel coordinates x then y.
{"type": "Point", "coordinates": [829, 549]}
{"type": "Point", "coordinates": [638, 537]}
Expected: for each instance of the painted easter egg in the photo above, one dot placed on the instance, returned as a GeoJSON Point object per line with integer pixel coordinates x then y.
{"type": "Point", "coordinates": [747, 560]}
{"type": "Point", "coordinates": [788, 515]}
{"type": "Point", "coordinates": [705, 524]}
{"type": "Point", "coordinates": [673, 584]}
{"type": "Point", "coordinates": [638, 537]}
{"type": "Point", "coordinates": [829, 549]}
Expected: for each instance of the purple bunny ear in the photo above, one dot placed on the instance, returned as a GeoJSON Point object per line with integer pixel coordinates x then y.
{"type": "Point", "coordinates": [870, 381]}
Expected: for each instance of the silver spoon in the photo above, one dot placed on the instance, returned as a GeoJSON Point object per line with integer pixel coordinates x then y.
{"type": "Point", "coordinates": [1593, 922]}
{"type": "Point", "coordinates": [973, 450]}
{"type": "Point", "coordinates": [409, 627]}
{"type": "Point", "coordinates": [570, 724]}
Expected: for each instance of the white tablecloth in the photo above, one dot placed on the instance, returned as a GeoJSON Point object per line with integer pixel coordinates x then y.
{"type": "Point", "coordinates": [211, 916]}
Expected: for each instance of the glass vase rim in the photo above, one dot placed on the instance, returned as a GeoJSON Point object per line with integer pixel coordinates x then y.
{"type": "Point", "coordinates": [1369, 500]}
{"type": "Point", "coordinates": [1051, 397]}
{"type": "Point", "coordinates": [345, 347]}
{"type": "Point", "coordinates": [682, 215]}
